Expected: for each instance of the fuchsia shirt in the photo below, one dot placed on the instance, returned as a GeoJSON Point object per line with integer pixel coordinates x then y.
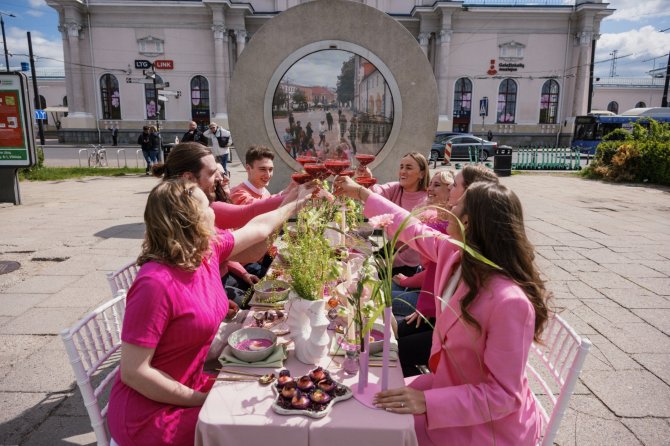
{"type": "Point", "coordinates": [177, 313]}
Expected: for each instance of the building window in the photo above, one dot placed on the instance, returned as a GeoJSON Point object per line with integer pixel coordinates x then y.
{"type": "Point", "coordinates": [613, 107]}
{"type": "Point", "coordinates": [462, 98]}
{"type": "Point", "coordinates": [549, 102]}
{"type": "Point", "coordinates": [110, 99]}
{"type": "Point", "coordinates": [506, 101]}
{"type": "Point", "coordinates": [200, 100]}
{"type": "Point", "coordinates": [65, 104]}
{"type": "Point", "coordinates": [640, 105]}
{"type": "Point", "coordinates": [155, 108]}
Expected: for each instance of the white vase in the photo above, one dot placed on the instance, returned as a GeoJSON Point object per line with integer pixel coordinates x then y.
{"type": "Point", "coordinates": [308, 324]}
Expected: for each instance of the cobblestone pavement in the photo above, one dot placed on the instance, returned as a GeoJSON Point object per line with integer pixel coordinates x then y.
{"type": "Point", "coordinates": [604, 249]}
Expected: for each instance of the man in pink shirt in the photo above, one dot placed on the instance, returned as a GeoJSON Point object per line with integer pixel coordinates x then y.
{"type": "Point", "coordinates": [260, 167]}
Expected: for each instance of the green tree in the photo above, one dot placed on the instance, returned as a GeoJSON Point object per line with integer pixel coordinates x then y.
{"type": "Point", "coordinates": [279, 99]}
{"type": "Point", "coordinates": [300, 99]}
{"type": "Point", "coordinates": [345, 82]}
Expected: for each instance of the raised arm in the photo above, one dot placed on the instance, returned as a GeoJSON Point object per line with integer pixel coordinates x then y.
{"type": "Point", "coordinates": [229, 216]}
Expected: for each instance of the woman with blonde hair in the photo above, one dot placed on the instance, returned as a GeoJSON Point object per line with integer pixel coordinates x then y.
{"type": "Point", "coordinates": [173, 311]}
{"type": "Point", "coordinates": [409, 192]}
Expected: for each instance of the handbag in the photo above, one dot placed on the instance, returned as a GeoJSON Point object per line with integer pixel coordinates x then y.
{"type": "Point", "coordinates": [223, 140]}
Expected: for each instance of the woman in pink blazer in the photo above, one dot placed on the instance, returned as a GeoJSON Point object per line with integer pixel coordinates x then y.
{"type": "Point", "coordinates": [486, 320]}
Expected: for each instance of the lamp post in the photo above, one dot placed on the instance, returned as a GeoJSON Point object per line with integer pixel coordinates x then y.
{"type": "Point", "coordinates": [4, 39]}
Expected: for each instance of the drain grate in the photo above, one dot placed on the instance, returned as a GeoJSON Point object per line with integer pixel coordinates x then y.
{"type": "Point", "coordinates": [7, 266]}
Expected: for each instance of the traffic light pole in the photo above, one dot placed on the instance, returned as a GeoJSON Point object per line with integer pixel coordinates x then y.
{"type": "Point", "coordinates": [36, 93]}
{"type": "Point", "coordinates": [664, 101]}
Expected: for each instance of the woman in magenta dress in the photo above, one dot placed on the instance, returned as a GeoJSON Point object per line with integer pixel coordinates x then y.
{"type": "Point", "coordinates": [173, 311]}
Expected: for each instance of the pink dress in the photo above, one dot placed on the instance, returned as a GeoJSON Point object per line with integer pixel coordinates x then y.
{"type": "Point", "coordinates": [177, 313]}
{"type": "Point", "coordinates": [408, 201]}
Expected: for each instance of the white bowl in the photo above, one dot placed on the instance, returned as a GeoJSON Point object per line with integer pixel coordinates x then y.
{"type": "Point", "coordinates": [252, 333]}
{"type": "Point", "coordinates": [271, 291]}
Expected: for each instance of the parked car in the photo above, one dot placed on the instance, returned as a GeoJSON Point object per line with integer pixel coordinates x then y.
{"type": "Point", "coordinates": [437, 149]}
{"type": "Point", "coordinates": [462, 145]}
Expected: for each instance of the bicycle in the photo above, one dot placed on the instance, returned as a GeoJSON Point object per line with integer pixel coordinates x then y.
{"type": "Point", "coordinates": [98, 156]}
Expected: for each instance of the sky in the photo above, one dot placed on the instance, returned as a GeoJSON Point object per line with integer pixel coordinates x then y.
{"type": "Point", "coordinates": [634, 30]}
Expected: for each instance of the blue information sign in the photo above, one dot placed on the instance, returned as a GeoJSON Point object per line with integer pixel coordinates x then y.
{"type": "Point", "coordinates": [40, 114]}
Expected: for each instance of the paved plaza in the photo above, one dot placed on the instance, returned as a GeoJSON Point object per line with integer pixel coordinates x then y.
{"type": "Point", "coordinates": [604, 248]}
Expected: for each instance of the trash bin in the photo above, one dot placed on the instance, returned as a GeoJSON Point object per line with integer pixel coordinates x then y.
{"type": "Point", "coordinates": [166, 150]}
{"type": "Point", "coordinates": [502, 161]}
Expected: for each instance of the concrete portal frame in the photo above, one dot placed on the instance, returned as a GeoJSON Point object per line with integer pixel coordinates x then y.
{"type": "Point", "coordinates": [342, 25]}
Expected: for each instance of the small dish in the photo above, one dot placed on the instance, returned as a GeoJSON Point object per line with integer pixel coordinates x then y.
{"type": "Point", "coordinates": [252, 344]}
{"type": "Point", "coordinates": [271, 291]}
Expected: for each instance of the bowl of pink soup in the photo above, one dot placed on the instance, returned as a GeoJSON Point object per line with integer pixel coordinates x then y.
{"type": "Point", "coordinates": [252, 344]}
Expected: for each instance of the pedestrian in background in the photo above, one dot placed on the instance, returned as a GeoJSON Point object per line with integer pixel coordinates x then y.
{"type": "Point", "coordinates": [219, 140]}
{"type": "Point", "coordinates": [194, 134]}
{"type": "Point", "coordinates": [149, 143]}
{"type": "Point", "coordinates": [115, 134]}
{"type": "Point", "coordinates": [489, 135]}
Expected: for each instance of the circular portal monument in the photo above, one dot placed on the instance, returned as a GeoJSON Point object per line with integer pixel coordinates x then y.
{"type": "Point", "coordinates": [348, 80]}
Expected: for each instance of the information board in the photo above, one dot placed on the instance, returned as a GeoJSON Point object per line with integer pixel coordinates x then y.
{"type": "Point", "coordinates": [17, 147]}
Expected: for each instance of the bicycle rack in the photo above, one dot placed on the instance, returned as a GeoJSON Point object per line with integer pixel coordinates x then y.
{"type": "Point", "coordinates": [118, 160]}
{"type": "Point", "coordinates": [79, 155]}
{"type": "Point", "coordinates": [137, 157]}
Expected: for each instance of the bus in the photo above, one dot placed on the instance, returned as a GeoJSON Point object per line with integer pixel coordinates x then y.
{"type": "Point", "coordinates": [589, 130]}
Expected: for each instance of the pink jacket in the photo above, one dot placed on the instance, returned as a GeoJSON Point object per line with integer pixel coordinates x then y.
{"type": "Point", "coordinates": [478, 392]}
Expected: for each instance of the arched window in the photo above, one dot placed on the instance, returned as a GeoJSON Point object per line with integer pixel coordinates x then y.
{"type": "Point", "coordinates": [109, 93]}
{"type": "Point", "coordinates": [155, 108]}
{"type": "Point", "coordinates": [613, 107]}
{"type": "Point", "coordinates": [200, 100]}
{"type": "Point", "coordinates": [640, 105]}
{"type": "Point", "coordinates": [549, 102]}
{"type": "Point", "coordinates": [462, 98]}
{"type": "Point", "coordinates": [506, 101]}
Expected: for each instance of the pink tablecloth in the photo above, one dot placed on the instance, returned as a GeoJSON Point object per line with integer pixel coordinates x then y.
{"type": "Point", "coordinates": [239, 414]}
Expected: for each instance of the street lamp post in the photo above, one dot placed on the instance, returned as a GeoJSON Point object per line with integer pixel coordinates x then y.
{"type": "Point", "coordinates": [4, 39]}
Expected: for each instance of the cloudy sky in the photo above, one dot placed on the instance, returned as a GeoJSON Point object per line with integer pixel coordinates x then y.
{"type": "Point", "coordinates": [634, 30]}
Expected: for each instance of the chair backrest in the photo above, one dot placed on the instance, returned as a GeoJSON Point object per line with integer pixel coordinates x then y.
{"type": "Point", "coordinates": [89, 344]}
{"type": "Point", "coordinates": [122, 278]}
{"type": "Point", "coordinates": [552, 370]}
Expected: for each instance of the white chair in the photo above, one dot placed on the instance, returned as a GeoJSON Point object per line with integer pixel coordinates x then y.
{"type": "Point", "coordinates": [90, 343]}
{"type": "Point", "coordinates": [552, 370]}
{"type": "Point", "coordinates": [123, 278]}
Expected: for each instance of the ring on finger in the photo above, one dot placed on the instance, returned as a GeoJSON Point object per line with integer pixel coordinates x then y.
{"type": "Point", "coordinates": [402, 404]}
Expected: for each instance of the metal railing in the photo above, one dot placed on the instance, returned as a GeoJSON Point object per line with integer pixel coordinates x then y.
{"type": "Point", "coordinates": [546, 158]}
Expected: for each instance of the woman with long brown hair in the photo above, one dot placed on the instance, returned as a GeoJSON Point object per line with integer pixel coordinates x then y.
{"type": "Point", "coordinates": [487, 317]}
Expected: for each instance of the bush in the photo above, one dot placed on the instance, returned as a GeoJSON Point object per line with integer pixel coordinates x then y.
{"type": "Point", "coordinates": [641, 155]}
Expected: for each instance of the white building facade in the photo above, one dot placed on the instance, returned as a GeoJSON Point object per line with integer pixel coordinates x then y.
{"type": "Point", "coordinates": [529, 62]}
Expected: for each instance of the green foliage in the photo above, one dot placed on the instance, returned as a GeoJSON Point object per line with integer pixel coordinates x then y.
{"type": "Point", "coordinates": [642, 156]}
{"type": "Point", "coordinates": [345, 82]}
{"type": "Point", "coordinates": [618, 135]}
{"type": "Point", "coordinates": [311, 260]}
{"type": "Point", "coordinates": [65, 173]}
{"type": "Point", "coordinates": [23, 173]}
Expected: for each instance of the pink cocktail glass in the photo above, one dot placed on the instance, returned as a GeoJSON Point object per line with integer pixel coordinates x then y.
{"type": "Point", "coordinates": [364, 159]}
{"type": "Point", "coordinates": [347, 173]}
{"type": "Point", "coordinates": [337, 166]}
{"type": "Point", "coordinates": [306, 159]}
{"type": "Point", "coordinates": [301, 177]}
{"type": "Point", "coordinates": [317, 170]}
{"type": "Point", "coordinates": [366, 181]}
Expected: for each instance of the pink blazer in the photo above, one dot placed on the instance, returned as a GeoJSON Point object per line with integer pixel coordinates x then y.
{"type": "Point", "coordinates": [478, 392]}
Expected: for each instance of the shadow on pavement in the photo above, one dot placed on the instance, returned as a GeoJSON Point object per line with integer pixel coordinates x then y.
{"type": "Point", "coordinates": [128, 230]}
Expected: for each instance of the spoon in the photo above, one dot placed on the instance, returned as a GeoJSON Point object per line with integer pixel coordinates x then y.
{"type": "Point", "coordinates": [265, 379]}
